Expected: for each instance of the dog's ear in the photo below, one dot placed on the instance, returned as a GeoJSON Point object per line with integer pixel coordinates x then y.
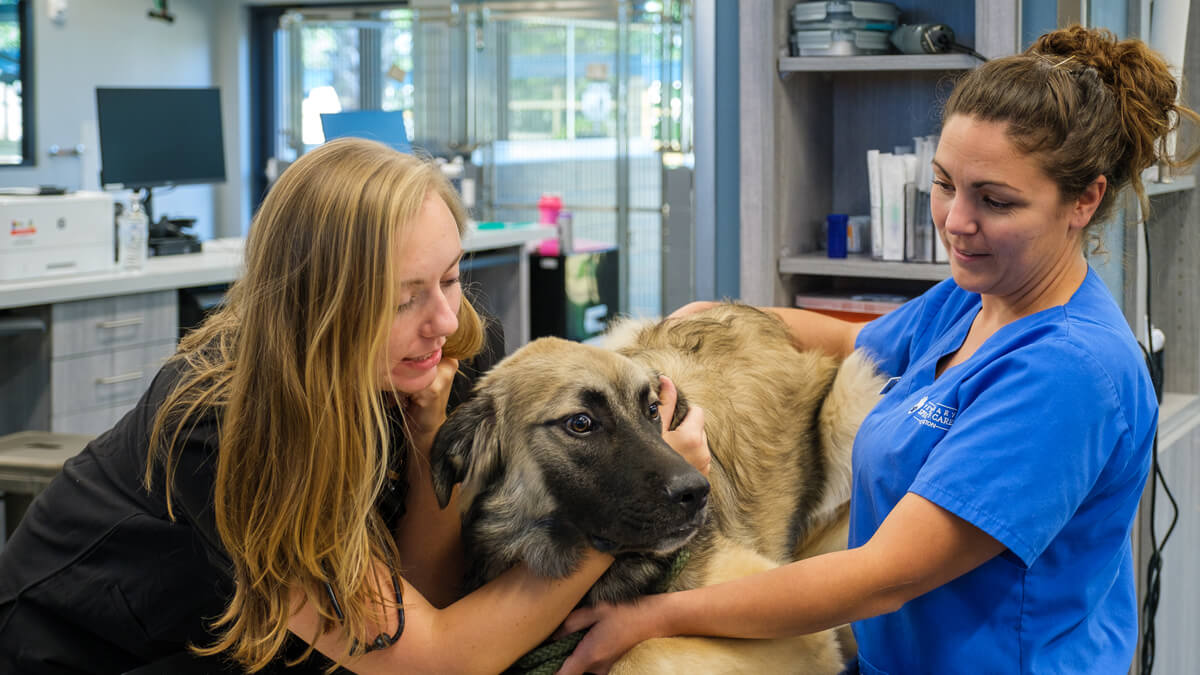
{"type": "Point", "coordinates": [468, 437]}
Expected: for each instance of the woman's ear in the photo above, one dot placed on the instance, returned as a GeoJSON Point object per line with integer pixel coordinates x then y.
{"type": "Point", "coordinates": [1086, 203]}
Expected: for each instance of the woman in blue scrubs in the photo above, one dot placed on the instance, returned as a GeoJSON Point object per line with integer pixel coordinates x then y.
{"type": "Point", "coordinates": [996, 482]}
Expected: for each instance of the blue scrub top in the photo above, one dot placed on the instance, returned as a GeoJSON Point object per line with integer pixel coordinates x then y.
{"type": "Point", "coordinates": [1042, 439]}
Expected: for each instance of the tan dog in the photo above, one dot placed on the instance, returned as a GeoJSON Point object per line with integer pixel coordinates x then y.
{"type": "Point", "coordinates": [561, 449]}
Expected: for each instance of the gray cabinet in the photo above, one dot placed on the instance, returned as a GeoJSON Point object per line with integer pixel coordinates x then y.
{"type": "Point", "coordinates": [103, 354]}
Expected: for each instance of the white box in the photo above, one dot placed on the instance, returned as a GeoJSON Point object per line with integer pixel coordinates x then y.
{"type": "Point", "coordinates": [55, 234]}
{"type": "Point", "coordinates": [891, 178]}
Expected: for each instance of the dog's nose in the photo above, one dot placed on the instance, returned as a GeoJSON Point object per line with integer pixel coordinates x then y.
{"type": "Point", "coordinates": [689, 490]}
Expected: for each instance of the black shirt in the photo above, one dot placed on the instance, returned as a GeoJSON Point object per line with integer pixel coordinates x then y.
{"type": "Point", "coordinates": [98, 579]}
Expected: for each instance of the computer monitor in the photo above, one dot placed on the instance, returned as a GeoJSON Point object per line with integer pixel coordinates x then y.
{"type": "Point", "coordinates": [152, 137]}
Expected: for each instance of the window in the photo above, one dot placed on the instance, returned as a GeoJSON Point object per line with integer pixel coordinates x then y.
{"type": "Point", "coordinates": [590, 100]}
{"type": "Point", "coordinates": [16, 100]}
{"type": "Point", "coordinates": [310, 61]}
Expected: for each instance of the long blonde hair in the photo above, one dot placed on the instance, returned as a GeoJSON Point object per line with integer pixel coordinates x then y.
{"type": "Point", "coordinates": [290, 364]}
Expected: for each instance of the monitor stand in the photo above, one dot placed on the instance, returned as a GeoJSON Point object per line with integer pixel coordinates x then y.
{"type": "Point", "coordinates": [165, 235]}
{"type": "Point", "coordinates": [174, 244]}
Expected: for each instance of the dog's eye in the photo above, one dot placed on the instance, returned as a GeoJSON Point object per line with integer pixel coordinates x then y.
{"type": "Point", "coordinates": [654, 411]}
{"type": "Point", "coordinates": [579, 423]}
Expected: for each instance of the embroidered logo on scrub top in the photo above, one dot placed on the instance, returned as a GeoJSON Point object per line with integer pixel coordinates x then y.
{"type": "Point", "coordinates": [933, 415]}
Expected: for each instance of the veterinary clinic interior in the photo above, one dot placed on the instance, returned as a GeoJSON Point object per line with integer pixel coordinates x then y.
{"type": "Point", "coordinates": [616, 157]}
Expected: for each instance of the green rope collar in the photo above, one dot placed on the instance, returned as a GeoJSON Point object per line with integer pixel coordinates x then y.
{"type": "Point", "coordinates": [547, 658]}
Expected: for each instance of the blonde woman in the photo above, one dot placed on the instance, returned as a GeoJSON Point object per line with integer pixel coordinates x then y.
{"type": "Point", "coordinates": [269, 496]}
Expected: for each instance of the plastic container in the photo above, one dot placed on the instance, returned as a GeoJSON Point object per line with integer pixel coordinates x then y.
{"type": "Point", "coordinates": [842, 28]}
{"type": "Point", "coordinates": [133, 231]}
{"type": "Point", "coordinates": [548, 207]}
{"type": "Point", "coordinates": [858, 232]}
{"type": "Point", "coordinates": [844, 14]}
{"type": "Point", "coordinates": [839, 42]}
{"type": "Point", "coordinates": [835, 241]}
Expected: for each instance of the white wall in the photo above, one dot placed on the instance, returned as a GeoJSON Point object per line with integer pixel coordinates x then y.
{"type": "Point", "coordinates": [230, 42]}
{"type": "Point", "coordinates": [114, 43]}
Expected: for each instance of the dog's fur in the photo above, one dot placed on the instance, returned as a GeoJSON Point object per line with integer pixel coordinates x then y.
{"type": "Point", "coordinates": [561, 449]}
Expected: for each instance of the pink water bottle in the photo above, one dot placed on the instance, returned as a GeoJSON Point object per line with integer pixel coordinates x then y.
{"type": "Point", "coordinates": [548, 207]}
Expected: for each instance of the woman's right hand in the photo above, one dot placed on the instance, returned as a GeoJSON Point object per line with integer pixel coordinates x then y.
{"type": "Point", "coordinates": [612, 630]}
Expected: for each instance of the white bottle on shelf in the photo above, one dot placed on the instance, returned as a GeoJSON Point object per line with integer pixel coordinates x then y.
{"type": "Point", "coordinates": [133, 230]}
{"type": "Point", "coordinates": [566, 233]}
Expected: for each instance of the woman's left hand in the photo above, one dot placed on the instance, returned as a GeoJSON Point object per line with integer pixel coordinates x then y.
{"type": "Point", "coordinates": [425, 411]}
{"type": "Point", "coordinates": [614, 630]}
{"type": "Point", "coordinates": [688, 439]}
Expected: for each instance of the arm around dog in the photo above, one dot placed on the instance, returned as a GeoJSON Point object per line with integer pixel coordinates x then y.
{"type": "Point", "coordinates": [802, 597]}
{"type": "Point", "coordinates": [810, 330]}
{"type": "Point", "coordinates": [483, 632]}
{"type": "Point", "coordinates": [495, 625]}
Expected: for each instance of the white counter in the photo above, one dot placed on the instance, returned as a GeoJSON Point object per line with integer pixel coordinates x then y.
{"type": "Point", "coordinates": [79, 350]}
{"type": "Point", "coordinates": [219, 263]}
{"type": "Point", "coordinates": [512, 235]}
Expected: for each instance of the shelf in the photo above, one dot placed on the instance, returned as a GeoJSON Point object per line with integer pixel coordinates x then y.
{"type": "Point", "coordinates": [793, 64]}
{"type": "Point", "coordinates": [861, 266]}
{"type": "Point", "coordinates": [1177, 184]}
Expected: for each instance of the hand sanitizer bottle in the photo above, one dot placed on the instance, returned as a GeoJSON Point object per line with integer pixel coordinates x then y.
{"type": "Point", "coordinates": [132, 232]}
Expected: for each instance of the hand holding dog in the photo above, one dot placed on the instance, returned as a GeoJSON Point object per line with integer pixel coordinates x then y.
{"type": "Point", "coordinates": [688, 439]}
{"type": "Point", "coordinates": [613, 630]}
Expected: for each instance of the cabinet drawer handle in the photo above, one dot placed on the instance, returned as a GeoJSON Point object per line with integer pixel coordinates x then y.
{"type": "Point", "coordinates": [121, 323]}
{"type": "Point", "coordinates": [123, 377]}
